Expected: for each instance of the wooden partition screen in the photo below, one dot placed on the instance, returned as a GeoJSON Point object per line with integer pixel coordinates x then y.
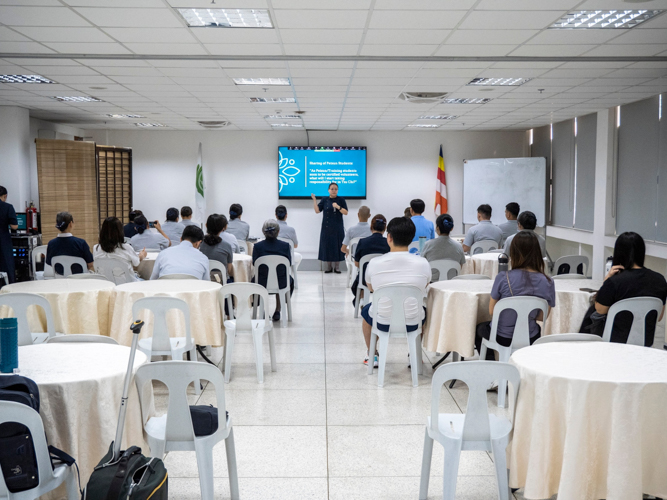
{"type": "Point", "coordinates": [114, 175]}
{"type": "Point", "coordinates": [68, 183]}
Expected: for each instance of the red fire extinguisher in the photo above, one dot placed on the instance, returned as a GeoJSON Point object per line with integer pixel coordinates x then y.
{"type": "Point", "coordinates": [31, 216]}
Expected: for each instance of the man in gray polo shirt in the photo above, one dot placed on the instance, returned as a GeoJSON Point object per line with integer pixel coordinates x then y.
{"type": "Point", "coordinates": [510, 227]}
{"type": "Point", "coordinates": [360, 230]}
{"type": "Point", "coordinates": [172, 228]}
{"type": "Point", "coordinates": [527, 222]}
{"type": "Point", "coordinates": [485, 230]}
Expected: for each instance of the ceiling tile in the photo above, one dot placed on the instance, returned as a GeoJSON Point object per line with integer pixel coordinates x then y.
{"type": "Point", "coordinates": [25, 48]}
{"type": "Point", "coordinates": [552, 50]}
{"type": "Point", "coordinates": [478, 37]}
{"type": "Point", "coordinates": [40, 16]}
{"type": "Point", "coordinates": [322, 4]}
{"type": "Point", "coordinates": [116, 3]}
{"type": "Point", "coordinates": [166, 48]}
{"type": "Point", "coordinates": [320, 19]}
{"type": "Point", "coordinates": [398, 50]}
{"type": "Point", "coordinates": [627, 50]}
{"type": "Point", "coordinates": [255, 49]}
{"type": "Point", "coordinates": [411, 19]}
{"type": "Point", "coordinates": [121, 18]}
{"type": "Point", "coordinates": [573, 37]}
{"type": "Point", "coordinates": [151, 35]}
{"type": "Point", "coordinates": [212, 35]}
{"type": "Point", "coordinates": [526, 5]}
{"type": "Point", "coordinates": [45, 34]}
{"type": "Point", "coordinates": [475, 50]}
{"type": "Point", "coordinates": [324, 50]}
{"type": "Point", "coordinates": [412, 37]}
{"type": "Point", "coordinates": [343, 37]}
{"type": "Point", "coordinates": [425, 4]}
{"type": "Point", "coordinates": [88, 48]}
{"type": "Point", "coordinates": [7, 35]}
{"type": "Point", "coordinates": [510, 20]}
{"type": "Point", "coordinates": [642, 36]}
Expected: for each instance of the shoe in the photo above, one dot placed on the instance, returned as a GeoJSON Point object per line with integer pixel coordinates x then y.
{"type": "Point", "coordinates": [337, 271]}
{"type": "Point", "coordinates": [375, 361]}
{"type": "Point", "coordinates": [276, 316]}
{"type": "Point", "coordinates": [329, 271]}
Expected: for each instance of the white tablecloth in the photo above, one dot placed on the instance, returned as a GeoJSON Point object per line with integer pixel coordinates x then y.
{"type": "Point", "coordinates": [145, 268]}
{"type": "Point", "coordinates": [80, 389]}
{"type": "Point", "coordinates": [201, 297]}
{"type": "Point", "coordinates": [589, 422]}
{"type": "Point", "coordinates": [78, 306]}
{"type": "Point", "coordinates": [243, 269]}
{"type": "Point", "coordinates": [455, 308]}
{"type": "Point", "coordinates": [487, 264]}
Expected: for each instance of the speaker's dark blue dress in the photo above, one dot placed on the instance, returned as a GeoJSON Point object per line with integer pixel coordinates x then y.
{"type": "Point", "coordinates": [333, 230]}
{"type": "Point", "coordinates": [7, 217]}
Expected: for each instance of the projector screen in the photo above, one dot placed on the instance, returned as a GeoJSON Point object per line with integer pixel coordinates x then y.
{"type": "Point", "coordinates": [303, 170]}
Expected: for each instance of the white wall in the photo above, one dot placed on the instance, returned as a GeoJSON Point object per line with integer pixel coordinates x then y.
{"type": "Point", "coordinates": [241, 167]}
{"type": "Point", "coordinates": [14, 154]}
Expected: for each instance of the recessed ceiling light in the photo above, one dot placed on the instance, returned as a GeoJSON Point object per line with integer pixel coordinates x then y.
{"type": "Point", "coordinates": [149, 125]}
{"type": "Point", "coordinates": [227, 18]}
{"type": "Point", "coordinates": [77, 98]}
{"type": "Point", "coordinates": [499, 81]}
{"type": "Point", "coordinates": [600, 19]}
{"type": "Point", "coordinates": [98, 88]}
{"type": "Point", "coordinates": [423, 125]}
{"type": "Point", "coordinates": [282, 117]}
{"type": "Point", "coordinates": [261, 81]}
{"type": "Point", "coordinates": [125, 116]}
{"type": "Point", "coordinates": [272, 99]}
{"type": "Point", "coordinates": [213, 124]}
{"type": "Point", "coordinates": [438, 117]}
{"type": "Point", "coordinates": [24, 79]}
{"type": "Point", "coordinates": [423, 97]}
{"type": "Point", "coordinates": [286, 125]}
{"type": "Point", "coordinates": [467, 100]}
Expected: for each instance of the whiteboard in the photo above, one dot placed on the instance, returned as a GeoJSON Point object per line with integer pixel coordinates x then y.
{"type": "Point", "coordinates": [499, 181]}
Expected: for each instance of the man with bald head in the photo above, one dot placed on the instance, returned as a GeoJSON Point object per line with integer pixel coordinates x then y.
{"type": "Point", "coordinates": [360, 230]}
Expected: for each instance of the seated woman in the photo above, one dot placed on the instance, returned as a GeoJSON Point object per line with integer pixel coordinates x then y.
{"type": "Point", "coordinates": [443, 247]}
{"type": "Point", "coordinates": [271, 245]}
{"type": "Point", "coordinates": [214, 247]}
{"type": "Point", "coordinates": [111, 244]}
{"type": "Point", "coordinates": [67, 244]}
{"type": "Point", "coordinates": [237, 227]}
{"type": "Point", "coordinates": [147, 239]}
{"type": "Point", "coordinates": [526, 278]}
{"type": "Point", "coordinates": [375, 243]}
{"type": "Point", "coordinates": [627, 278]}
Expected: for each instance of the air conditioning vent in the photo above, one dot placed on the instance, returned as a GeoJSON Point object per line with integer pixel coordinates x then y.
{"type": "Point", "coordinates": [423, 97]}
{"type": "Point", "coordinates": [213, 124]}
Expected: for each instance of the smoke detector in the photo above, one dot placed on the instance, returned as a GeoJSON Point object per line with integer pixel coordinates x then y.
{"type": "Point", "coordinates": [213, 124]}
{"type": "Point", "coordinates": [423, 97]}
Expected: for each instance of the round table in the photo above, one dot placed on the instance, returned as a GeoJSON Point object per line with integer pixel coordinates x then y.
{"type": "Point", "coordinates": [80, 389]}
{"type": "Point", "coordinates": [455, 308]}
{"type": "Point", "coordinates": [243, 269]}
{"type": "Point", "coordinates": [78, 306]}
{"type": "Point", "coordinates": [145, 267]}
{"type": "Point", "coordinates": [589, 420]}
{"type": "Point", "coordinates": [487, 264]}
{"type": "Point", "coordinates": [201, 297]}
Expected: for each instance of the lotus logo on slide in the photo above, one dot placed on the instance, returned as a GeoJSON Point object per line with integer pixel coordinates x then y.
{"type": "Point", "coordinates": [288, 171]}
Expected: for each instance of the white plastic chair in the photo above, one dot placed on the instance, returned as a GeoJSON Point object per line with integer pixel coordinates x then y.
{"type": "Point", "coordinates": [126, 240]}
{"type": "Point", "coordinates": [160, 344]}
{"type": "Point", "coordinates": [5, 277]}
{"type": "Point", "coordinates": [38, 253]}
{"type": "Point", "coordinates": [573, 276]}
{"type": "Point", "coordinates": [444, 267]}
{"type": "Point", "coordinates": [398, 294]}
{"type": "Point", "coordinates": [349, 261]}
{"type": "Point", "coordinates": [294, 263]}
{"type": "Point", "coordinates": [117, 270]}
{"type": "Point", "coordinates": [174, 431]}
{"type": "Point", "coordinates": [272, 286]}
{"type": "Point", "coordinates": [475, 430]}
{"type": "Point", "coordinates": [244, 324]}
{"type": "Point", "coordinates": [483, 246]}
{"type": "Point", "coordinates": [640, 307]}
{"type": "Point", "coordinates": [568, 337]}
{"type": "Point", "coordinates": [49, 477]}
{"type": "Point", "coordinates": [177, 276]}
{"type": "Point", "coordinates": [81, 339]}
{"type": "Point", "coordinates": [88, 276]}
{"type": "Point", "coordinates": [362, 274]}
{"type": "Point", "coordinates": [572, 263]}
{"type": "Point", "coordinates": [67, 262]}
{"type": "Point", "coordinates": [414, 246]}
{"type": "Point", "coordinates": [19, 303]}
{"type": "Point", "coordinates": [243, 247]}
{"type": "Point", "coordinates": [523, 306]}
{"type": "Point", "coordinates": [471, 277]}
{"type": "Point", "coordinates": [219, 267]}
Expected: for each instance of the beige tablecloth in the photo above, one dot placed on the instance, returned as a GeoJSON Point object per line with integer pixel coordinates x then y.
{"type": "Point", "coordinates": [487, 264]}
{"type": "Point", "coordinates": [145, 268]}
{"type": "Point", "coordinates": [589, 422]}
{"type": "Point", "coordinates": [243, 269]}
{"type": "Point", "coordinates": [80, 389]}
{"type": "Point", "coordinates": [455, 308]}
{"type": "Point", "coordinates": [78, 306]}
{"type": "Point", "coordinates": [201, 297]}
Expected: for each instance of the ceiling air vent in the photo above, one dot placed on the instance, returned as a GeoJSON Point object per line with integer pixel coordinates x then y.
{"type": "Point", "coordinates": [423, 97]}
{"type": "Point", "coordinates": [213, 124]}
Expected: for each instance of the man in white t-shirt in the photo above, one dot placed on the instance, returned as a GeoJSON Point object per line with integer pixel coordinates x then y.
{"type": "Point", "coordinates": [398, 267]}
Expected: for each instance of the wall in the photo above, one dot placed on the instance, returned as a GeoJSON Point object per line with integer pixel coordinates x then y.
{"type": "Point", "coordinates": [241, 167]}
{"type": "Point", "coordinates": [15, 151]}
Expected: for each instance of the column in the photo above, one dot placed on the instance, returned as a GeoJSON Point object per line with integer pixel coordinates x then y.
{"type": "Point", "coordinates": [15, 155]}
{"type": "Point", "coordinates": [604, 168]}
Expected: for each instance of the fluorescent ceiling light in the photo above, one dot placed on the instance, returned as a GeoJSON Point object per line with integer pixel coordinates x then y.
{"type": "Point", "coordinates": [499, 81]}
{"type": "Point", "coordinates": [438, 117]}
{"type": "Point", "coordinates": [125, 116]}
{"type": "Point", "coordinates": [77, 98]}
{"type": "Point", "coordinates": [282, 117]}
{"type": "Point", "coordinates": [286, 125]}
{"type": "Point", "coordinates": [423, 125]}
{"type": "Point", "coordinates": [24, 79]}
{"type": "Point", "coordinates": [600, 19]}
{"type": "Point", "coordinates": [261, 81]}
{"type": "Point", "coordinates": [227, 18]}
{"type": "Point", "coordinates": [466, 100]}
{"type": "Point", "coordinates": [272, 99]}
{"type": "Point", "coordinates": [149, 125]}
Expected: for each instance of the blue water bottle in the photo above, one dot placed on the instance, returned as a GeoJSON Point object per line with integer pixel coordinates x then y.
{"type": "Point", "coordinates": [9, 345]}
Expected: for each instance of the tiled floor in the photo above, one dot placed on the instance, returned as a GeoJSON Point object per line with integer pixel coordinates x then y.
{"type": "Point", "coordinates": [319, 427]}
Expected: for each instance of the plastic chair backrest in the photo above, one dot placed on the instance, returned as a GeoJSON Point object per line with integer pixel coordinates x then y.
{"type": "Point", "coordinates": [20, 302]}
{"type": "Point", "coordinates": [244, 311]}
{"type": "Point", "coordinates": [38, 252]}
{"type": "Point", "coordinates": [160, 306]}
{"type": "Point", "coordinates": [177, 376]}
{"type": "Point", "coordinates": [413, 246]}
{"type": "Point", "coordinates": [215, 267]}
{"type": "Point", "coordinates": [444, 268]}
{"type": "Point", "coordinates": [483, 246]}
{"type": "Point", "coordinates": [568, 337]}
{"type": "Point", "coordinates": [471, 277]}
{"type": "Point", "coordinates": [177, 276]}
{"type": "Point", "coordinates": [523, 306]}
{"type": "Point", "coordinates": [88, 276]}
{"type": "Point", "coordinates": [353, 246]}
{"type": "Point", "coordinates": [362, 266]}
{"type": "Point", "coordinates": [243, 247]}
{"type": "Point", "coordinates": [573, 276]}
{"type": "Point", "coordinates": [571, 265]}
{"type": "Point", "coordinates": [477, 375]}
{"type": "Point", "coordinates": [117, 270]}
{"type": "Point", "coordinates": [126, 239]}
{"type": "Point", "coordinates": [24, 415]}
{"type": "Point", "coordinates": [66, 261]}
{"type": "Point", "coordinates": [398, 294]}
{"type": "Point", "coordinates": [291, 246]}
{"type": "Point", "coordinates": [272, 262]}
{"type": "Point", "coordinates": [640, 307]}
{"type": "Point", "coordinates": [78, 338]}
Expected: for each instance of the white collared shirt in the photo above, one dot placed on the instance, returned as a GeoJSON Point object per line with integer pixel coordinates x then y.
{"type": "Point", "coordinates": [181, 259]}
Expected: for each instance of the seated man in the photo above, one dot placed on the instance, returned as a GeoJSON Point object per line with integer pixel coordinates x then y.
{"type": "Point", "coordinates": [184, 258]}
{"type": "Point", "coordinates": [443, 247]}
{"type": "Point", "coordinates": [423, 226]}
{"type": "Point", "coordinates": [130, 229]}
{"type": "Point", "coordinates": [485, 230]}
{"type": "Point", "coordinates": [526, 222]}
{"type": "Point", "coordinates": [172, 228]}
{"type": "Point", "coordinates": [511, 226]}
{"type": "Point", "coordinates": [186, 217]}
{"type": "Point", "coordinates": [360, 230]}
{"type": "Point", "coordinates": [375, 243]}
{"type": "Point", "coordinates": [398, 267]}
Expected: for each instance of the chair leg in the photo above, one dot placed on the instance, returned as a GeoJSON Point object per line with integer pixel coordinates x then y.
{"type": "Point", "coordinates": [420, 365]}
{"type": "Point", "coordinates": [229, 348]}
{"type": "Point", "coordinates": [451, 469]}
{"type": "Point", "coordinates": [296, 281]}
{"type": "Point", "coordinates": [272, 350]}
{"type": "Point", "coordinates": [224, 355]}
{"type": "Point", "coordinates": [230, 450]}
{"type": "Point", "coordinates": [382, 358]}
{"type": "Point", "coordinates": [288, 299]}
{"type": "Point", "coordinates": [71, 484]}
{"type": "Point", "coordinates": [205, 465]}
{"type": "Point", "coordinates": [157, 448]}
{"type": "Point", "coordinates": [230, 307]}
{"type": "Point", "coordinates": [426, 466]}
{"type": "Point", "coordinates": [356, 302]}
{"type": "Point", "coordinates": [259, 364]}
{"type": "Point", "coordinates": [193, 357]}
{"type": "Point", "coordinates": [283, 310]}
{"type": "Point", "coordinates": [371, 353]}
{"type": "Point", "coordinates": [500, 463]}
{"type": "Point", "coordinates": [502, 392]}
{"type": "Point", "coordinates": [414, 362]}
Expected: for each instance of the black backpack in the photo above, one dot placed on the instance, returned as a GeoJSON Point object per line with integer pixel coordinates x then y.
{"type": "Point", "coordinates": [17, 450]}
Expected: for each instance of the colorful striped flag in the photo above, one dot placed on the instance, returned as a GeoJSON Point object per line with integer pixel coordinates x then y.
{"type": "Point", "coordinates": [441, 187]}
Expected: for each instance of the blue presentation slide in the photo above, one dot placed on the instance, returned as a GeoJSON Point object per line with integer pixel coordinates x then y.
{"type": "Point", "coordinates": [304, 170]}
